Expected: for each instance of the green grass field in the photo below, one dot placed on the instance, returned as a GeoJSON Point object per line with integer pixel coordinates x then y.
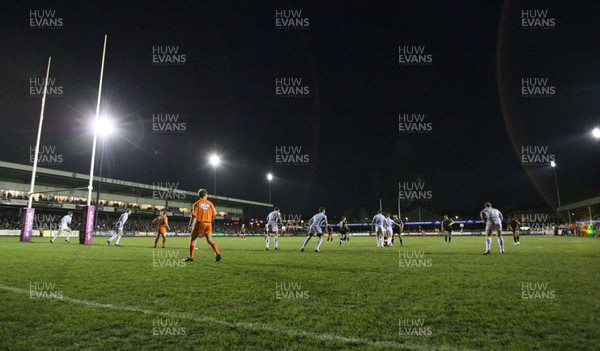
{"type": "Point", "coordinates": [423, 296]}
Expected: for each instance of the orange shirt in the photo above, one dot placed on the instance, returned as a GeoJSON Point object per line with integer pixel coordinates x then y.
{"type": "Point", "coordinates": [204, 211]}
{"type": "Point", "coordinates": [161, 223]}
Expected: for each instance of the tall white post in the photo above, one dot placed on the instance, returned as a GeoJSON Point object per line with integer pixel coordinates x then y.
{"type": "Point", "coordinates": [29, 212]}
{"type": "Point", "coordinates": [90, 187]}
{"type": "Point", "coordinates": [39, 135]}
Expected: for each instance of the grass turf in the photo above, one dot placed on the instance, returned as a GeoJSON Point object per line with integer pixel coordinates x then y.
{"type": "Point", "coordinates": [423, 296]}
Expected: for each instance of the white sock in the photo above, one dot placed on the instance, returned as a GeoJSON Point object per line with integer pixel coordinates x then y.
{"type": "Point", "coordinates": [306, 241]}
{"type": "Point", "coordinates": [381, 241]}
{"type": "Point", "coordinates": [389, 241]}
{"type": "Point", "coordinates": [119, 238]}
{"type": "Point", "coordinates": [319, 243]}
{"type": "Point", "coordinates": [113, 237]}
{"type": "Point", "coordinates": [488, 243]}
{"type": "Point", "coordinates": [268, 241]}
{"type": "Point", "coordinates": [378, 241]}
{"type": "Point", "coordinates": [56, 236]}
{"type": "Point", "coordinates": [276, 242]}
{"type": "Point", "coordinates": [68, 235]}
{"type": "Point", "coordinates": [501, 243]}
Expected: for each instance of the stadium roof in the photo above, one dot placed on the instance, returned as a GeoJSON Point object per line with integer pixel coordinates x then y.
{"type": "Point", "coordinates": [580, 204]}
{"type": "Point", "coordinates": [50, 177]}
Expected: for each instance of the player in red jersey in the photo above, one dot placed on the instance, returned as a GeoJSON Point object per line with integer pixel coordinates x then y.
{"type": "Point", "coordinates": [201, 224]}
{"type": "Point", "coordinates": [162, 225]}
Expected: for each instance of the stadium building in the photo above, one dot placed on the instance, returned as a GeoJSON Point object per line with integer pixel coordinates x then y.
{"type": "Point", "coordinates": [57, 192]}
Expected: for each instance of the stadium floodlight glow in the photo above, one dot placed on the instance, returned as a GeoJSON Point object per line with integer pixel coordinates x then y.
{"type": "Point", "coordinates": [553, 164]}
{"type": "Point", "coordinates": [214, 160]}
{"type": "Point", "coordinates": [270, 178]}
{"type": "Point", "coordinates": [596, 133]}
{"type": "Point", "coordinates": [104, 126]}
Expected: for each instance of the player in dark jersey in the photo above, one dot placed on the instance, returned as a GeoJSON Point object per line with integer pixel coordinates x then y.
{"type": "Point", "coordinates": [398, 228]}
{"type": "Point", "coordinates": [330, 234]}
{"type": "Point", "coordinates": [514, 224]}
{"type": "Point", "coordinates": [447, 229]}
{"type": "Point", "coordinates": [344, 230]}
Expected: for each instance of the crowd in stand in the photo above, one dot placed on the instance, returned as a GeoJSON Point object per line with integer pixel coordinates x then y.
{"type": "Point", "coordinates": [56, 198]}
{"type": "Point", "coordinates": [8, 222]}
{"type": "Point", "coordinates": [11, 219]}
{"type": "Point", "coordinates": [176, 225]}
{"type": "Point", "coordinates": [573, 229]}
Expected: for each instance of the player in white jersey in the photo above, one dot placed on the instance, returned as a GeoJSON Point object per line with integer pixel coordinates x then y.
{"type": "Point", "coordinates": [314, 228]}
{"type": "Point", "coordinates": [389, 230]}
{"type": "Point", "coordinates": [273, 221]}
{"type": "Point", "coordinates": [377, 226]}
{"type": "Point", "coordinates": [120, 224]}
{"type": "Point", "coordinates": [243, 231]}
{"type": "Point", "coordinates": [64, 227]}
{"type": "Point", "coordinates": [493, 221]}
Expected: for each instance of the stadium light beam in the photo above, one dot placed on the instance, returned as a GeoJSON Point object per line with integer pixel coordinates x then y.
{"type": "Point", "coordinates": [214, 160]}
{"type": "Point", "coordinates": [554, 166]}
{"type": "Point", "coordinates": [105, 127]}
{"type": "Point", "coordinates": [270, 178]}
{"type": "Point", "coordinates": [596, 133]}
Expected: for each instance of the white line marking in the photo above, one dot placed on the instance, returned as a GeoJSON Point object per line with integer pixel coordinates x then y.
{"type": "Point", "coordinates": [244, 325]}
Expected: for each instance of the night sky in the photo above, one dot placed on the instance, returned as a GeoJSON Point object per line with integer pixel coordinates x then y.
{"type": "Point", "coordinates": [347, 56]}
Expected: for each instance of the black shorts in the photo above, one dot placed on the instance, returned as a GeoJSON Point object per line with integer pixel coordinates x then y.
{"type": "Point", "coordinates": [343, 231]}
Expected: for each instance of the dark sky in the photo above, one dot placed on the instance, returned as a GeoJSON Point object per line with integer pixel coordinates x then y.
{"type": "Point", "coordinates": [348, 56]}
